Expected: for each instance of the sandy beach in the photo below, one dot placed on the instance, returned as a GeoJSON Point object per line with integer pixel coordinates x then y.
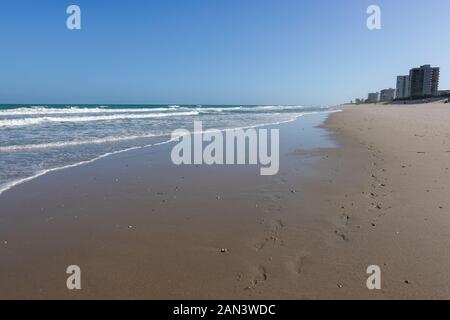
{"type": "Point", "coordinates": [368, 187]}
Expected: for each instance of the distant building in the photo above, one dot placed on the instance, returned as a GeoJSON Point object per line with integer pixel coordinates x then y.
{"type": "Point", "coordinates": [444, 92]}
{"type": "Point", "coordinates": [403, 87]}
{"type": "Point", "coordinates": [373, 97]}
{"type": "Point", "coordinates": [387, 95]}
{"type": "Point", "coordinates": [359, 101]}
{"type": "Point", "coordinates": [424, 81]}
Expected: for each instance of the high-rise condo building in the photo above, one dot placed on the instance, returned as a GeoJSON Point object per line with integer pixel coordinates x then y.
{"type": "Point", "coordinates": [373, 97]}
{"type": "Point", "coordinates": [387, 95]}
{"type": "Point", "coordinates": [403, 87]}
{"type": "Point", "coordinates": [424, 81]}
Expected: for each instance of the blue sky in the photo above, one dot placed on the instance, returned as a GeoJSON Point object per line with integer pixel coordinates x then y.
{"type": "Point", "coordinates": [312, 52]}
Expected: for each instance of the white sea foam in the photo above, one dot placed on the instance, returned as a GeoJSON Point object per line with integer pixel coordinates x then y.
{"type": "Point", "coordinates": [75, 110]}
{"type": "Point", "coordinates": [43, 110]}
{"type": "Point", "coordinates": [14, 183]}
{"type": "Point", "coordinates": [249, 108]}
{"type": "Point", "coordinates": [63, 144]}
{"type": "Point", "coordinates": [43, 120]}
{"type": "Point", "coordinates": [217, 109]}
{"type": "Point", "coordinates": [11, 184]}
{"type": "Point", "coordinates": [112, 139]}
{"type": "Point", "coordinates": [271, 108]}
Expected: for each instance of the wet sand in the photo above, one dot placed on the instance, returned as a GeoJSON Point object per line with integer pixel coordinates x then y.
{"type": "Point", "coordinates": [141, 227]}
{"type": "Point", "coordinates": [369, 188]}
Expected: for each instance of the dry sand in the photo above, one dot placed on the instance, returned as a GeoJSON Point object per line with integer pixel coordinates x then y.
{"type": "Point", "coordinates": [402, 220]}
{"type": "Point", "coordinates": [141, 228]}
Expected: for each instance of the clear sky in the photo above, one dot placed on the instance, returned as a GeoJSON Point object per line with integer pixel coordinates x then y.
{"type": "Point", "coordinates": [312, 52]}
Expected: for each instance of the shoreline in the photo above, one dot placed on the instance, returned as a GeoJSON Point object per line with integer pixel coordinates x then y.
{"type": "Point", "coordinates": [367, 187]}
{"type": "Point", "coordinates": [12, 184]}
{"type": "Point", "coordinates": [139, 198]}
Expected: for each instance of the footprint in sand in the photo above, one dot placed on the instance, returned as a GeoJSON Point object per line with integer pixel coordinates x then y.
{"type": "Point", "coordinates": [297, 265]}
{"type": "Point", "coordinates": [345, 218]}
{"type": "Point", "coordinates": [260, 245]}
{"type": "Point", "coordinates": [272, 235]}
{"type": "Point", "coordinates": [257, 276]}
{"type": "Point", "coordinates": [276, 225]}
{"type": "Point", "coordinates": [341, 235]}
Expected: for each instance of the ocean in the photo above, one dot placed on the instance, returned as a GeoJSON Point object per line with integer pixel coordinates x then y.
{"type": "Point", "coordinates": [35, 140]}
